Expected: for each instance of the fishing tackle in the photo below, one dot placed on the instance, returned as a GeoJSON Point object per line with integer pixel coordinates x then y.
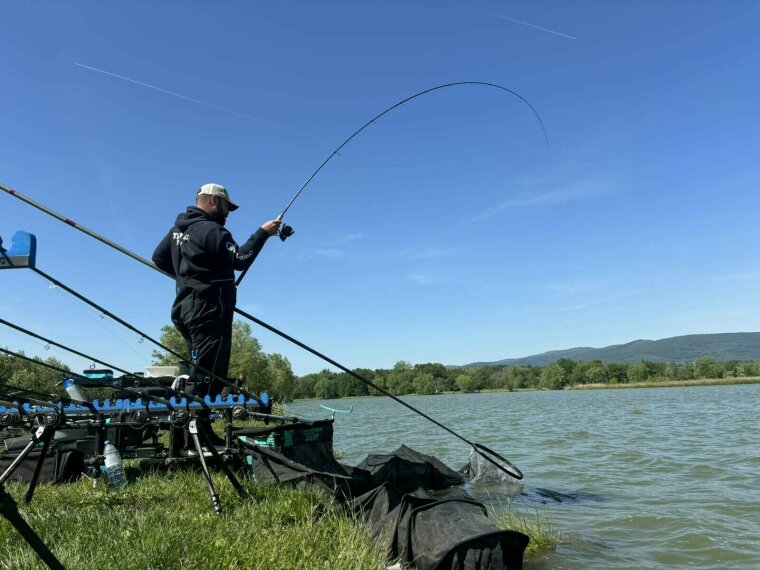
{"type": "Point", "coordinates": [285, 232]}
{"type": "Point", "coordinates": [492, 457]}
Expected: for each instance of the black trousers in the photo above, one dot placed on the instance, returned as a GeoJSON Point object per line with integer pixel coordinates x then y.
{"type": "Point", "coordinates": [209, 349]}
{"type": "Point", "coordinates": [204, 318]}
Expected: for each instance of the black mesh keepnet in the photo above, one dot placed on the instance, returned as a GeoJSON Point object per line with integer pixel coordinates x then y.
{"type": "Point", "coordinates": [407, 470]}
{"type": "Point", "coordinates": [390, 493]}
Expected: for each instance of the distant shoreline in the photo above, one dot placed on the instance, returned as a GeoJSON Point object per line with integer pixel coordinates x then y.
{"type": "Point", "coordinates": [668, 384]}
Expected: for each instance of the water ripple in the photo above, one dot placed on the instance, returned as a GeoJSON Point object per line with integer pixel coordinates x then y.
{"type": "Point", "coordinates": [651, 478]}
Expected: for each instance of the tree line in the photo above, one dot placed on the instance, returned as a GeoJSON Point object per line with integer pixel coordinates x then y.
{"type": "Point", "coordinates": [272, 373]}
{"type": "Point", "coordinates": [434, 378]}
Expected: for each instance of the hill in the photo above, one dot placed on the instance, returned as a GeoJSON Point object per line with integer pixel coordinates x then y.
{"type": "Point", "coordinates": [722, 347]}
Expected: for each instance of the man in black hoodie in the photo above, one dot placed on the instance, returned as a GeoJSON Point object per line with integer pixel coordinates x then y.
{"type": "Point", "coordinates": [203, 257]}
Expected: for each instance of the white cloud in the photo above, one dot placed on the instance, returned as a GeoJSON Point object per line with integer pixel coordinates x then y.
{"type": "Point", "coordinates": [431, 252]}
{"type": "Point", "coordinates": [531, 197]}
{"type": "Point", "coordinates": [422, 278]}
{"type": "Point", "coordinates": [345, 239]}
{"type": "Point", "coordinates": [329, 252]}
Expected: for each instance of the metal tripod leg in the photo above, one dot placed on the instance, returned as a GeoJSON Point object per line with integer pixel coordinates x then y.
{"type": "Point", "coordinates": [9, 510]}
{"type": "Point", "coordinates": [47, 436]}
{"type": "Point", "coordinates": [193, 429]}
{"type": "Point", "coordinates": [226, 468]}
{"type": "Point", "coordinates": [43, 433]}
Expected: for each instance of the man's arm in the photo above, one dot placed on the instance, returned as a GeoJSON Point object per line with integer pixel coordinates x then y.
{"type": "Point", "coordinates": [162, 257]}
{"type": "Point", "coordinates": [241, 258]}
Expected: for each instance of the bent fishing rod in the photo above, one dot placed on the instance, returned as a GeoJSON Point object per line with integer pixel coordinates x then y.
{"type": "Point", "coordinates": [399, 104]}
{"type": "Point", "coordinates": [286, 231]}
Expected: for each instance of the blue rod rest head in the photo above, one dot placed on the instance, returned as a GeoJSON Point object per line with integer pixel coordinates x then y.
{"type": "Point", "coordinates": [23, 252]}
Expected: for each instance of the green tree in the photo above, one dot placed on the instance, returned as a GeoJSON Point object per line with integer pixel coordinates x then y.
{"type": "Point", "coordinates": [617, 373]}
{"type": "Point", "coordinates": [263, 373]}
{"type": "Point", "coordinates": [281, 377]}
{"type": "Point", "coordinates": [25, 374]}
{"type": "Point", "coordinates": [304, 387]}
{"type": "Point", "coordinates": [596, 374]}
{"type": "Point", "coordinates": [482, 377]}
{"type": "Point", "coordinates": [465, 382]}
{"type": "Point", "coordinates": [567, 365]}
{"type": "Point", "coordinates": [401, 378]}
{"type": "Point", "coordinates": [325, 389]}
{"type": "Point", "coordinates": [638, 372]}
{"type": "Point", "coordinates": [553, 377]}
{"type": "Point", "coordinates": [171, 339]}
{"type": "Point", "coordinates": [707, 368]}
{"type": "Point", "coordinates": [359, 388]}
{"type": "Point", "coordinates": [425, 383]}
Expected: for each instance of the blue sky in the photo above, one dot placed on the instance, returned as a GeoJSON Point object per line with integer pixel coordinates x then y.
{"type": "Point", "coordinates": [446, 232]}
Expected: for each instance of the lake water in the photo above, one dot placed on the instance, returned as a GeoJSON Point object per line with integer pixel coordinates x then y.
{"type": "Point", "coordinates": [655, 478]}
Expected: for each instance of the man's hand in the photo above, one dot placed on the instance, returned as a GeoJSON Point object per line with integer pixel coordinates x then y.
{"type": "Point", "coordinates": [271, 226]}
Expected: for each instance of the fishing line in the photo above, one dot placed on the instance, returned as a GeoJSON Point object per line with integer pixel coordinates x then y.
{"type": "Point", "coordinates": [286, 231]}
{"type": "Point", "coordinates": [98, 319]}
{"type": "Point", "coordinates": [50, 348]}
{"type": "Point", "coordinates": [391, 108]}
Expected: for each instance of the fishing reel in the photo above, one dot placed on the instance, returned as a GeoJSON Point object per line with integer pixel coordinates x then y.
{"type": "Point", "coordinates": [8, 419]}
{"type": "Point", "coordinates": [285, 232]}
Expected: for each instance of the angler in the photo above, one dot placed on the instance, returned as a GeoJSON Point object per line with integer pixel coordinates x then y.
{"type": "Point", "coordinates": [201, 254]}
{"type": "Point", "coordinates": [487, 454]}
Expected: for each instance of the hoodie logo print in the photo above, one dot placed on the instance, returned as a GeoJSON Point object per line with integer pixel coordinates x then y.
{"type": "Point", "coordinates": [232, 248]}
{"type": "Point", "coordinates": [180, 238]}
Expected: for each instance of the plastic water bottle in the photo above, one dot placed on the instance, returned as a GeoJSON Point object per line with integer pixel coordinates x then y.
{"type": "Point", "coordinates": [72, 389]}
{"type": "Point", "coordinates": [114, 466]}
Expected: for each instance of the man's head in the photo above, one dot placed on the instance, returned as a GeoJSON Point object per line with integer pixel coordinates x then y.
{"type": "Point", "coordinates": [215, 201]}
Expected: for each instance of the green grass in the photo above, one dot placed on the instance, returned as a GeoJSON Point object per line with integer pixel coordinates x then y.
{"type": "Point", "coordinates": [166, 521]}
{"type": "Point", "coordinates": [536, 526]}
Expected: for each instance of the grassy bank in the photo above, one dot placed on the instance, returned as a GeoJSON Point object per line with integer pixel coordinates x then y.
{"type": "Point", "coordinates": [669, 383]}
{"type": "Point", "coordinates": [165, 521]}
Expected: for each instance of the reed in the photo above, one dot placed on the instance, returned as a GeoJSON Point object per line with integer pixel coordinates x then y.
{"type": "Point", "coordinates": [535, 525]}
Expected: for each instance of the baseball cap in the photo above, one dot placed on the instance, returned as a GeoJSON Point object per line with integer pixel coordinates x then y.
{"type": "Point", "coordinates": [217, 190]}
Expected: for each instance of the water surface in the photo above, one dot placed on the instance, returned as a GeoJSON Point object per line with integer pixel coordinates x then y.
{"type": "Point", "coordinates": [654, 478]}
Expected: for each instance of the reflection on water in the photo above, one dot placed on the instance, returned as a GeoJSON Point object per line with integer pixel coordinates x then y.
{"type": "Point", "coordinates": [647, 478]}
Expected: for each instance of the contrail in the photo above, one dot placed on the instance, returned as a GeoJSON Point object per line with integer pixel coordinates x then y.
{"type": "Point", "coordinates": [186, 98]}
{"type": "Point", "coordinates": [531, 25]}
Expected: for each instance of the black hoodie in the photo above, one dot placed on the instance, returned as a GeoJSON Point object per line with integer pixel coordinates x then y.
{"type": "Point", "coordinates": [201, 254]}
